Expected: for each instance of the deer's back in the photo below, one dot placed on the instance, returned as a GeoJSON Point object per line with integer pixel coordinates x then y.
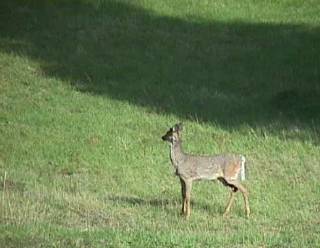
{"type": "Point", "coordinates": [210, 167]}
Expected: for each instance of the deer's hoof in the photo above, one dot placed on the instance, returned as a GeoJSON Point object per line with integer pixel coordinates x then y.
{"type": "Point", "coordinates": [225, 215]}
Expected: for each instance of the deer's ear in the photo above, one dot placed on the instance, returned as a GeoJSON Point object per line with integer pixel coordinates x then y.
{"type": "Point", "coordinates": [179, 127]}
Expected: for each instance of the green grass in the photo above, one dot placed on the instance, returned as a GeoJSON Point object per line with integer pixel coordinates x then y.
{"type": "Point", "coordinates": [87, 88]}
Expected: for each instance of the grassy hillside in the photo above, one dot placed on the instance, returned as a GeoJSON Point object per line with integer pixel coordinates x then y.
{"type": "Point", "coordinates": [87, 88]}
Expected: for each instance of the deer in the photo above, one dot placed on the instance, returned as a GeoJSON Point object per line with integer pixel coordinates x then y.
{"type": "Point", "coordinates": [229, 169]}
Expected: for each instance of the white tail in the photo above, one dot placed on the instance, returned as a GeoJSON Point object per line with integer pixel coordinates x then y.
{"type": "Point", "coordinates": [243, 169]}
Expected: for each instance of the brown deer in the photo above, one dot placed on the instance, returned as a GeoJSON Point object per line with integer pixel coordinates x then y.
{"type": "Point", "coordinates": [228, 169]}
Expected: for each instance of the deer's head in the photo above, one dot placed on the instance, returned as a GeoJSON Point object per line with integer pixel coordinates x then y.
{"type": "Point", "coordinates": [173, 134]}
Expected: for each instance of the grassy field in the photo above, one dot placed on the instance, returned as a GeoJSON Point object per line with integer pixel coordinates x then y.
{"type": "Point", "coordinates": [87, 88]}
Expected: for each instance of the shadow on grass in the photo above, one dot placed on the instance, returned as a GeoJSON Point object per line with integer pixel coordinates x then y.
{"type": "Point", "coordinates": [231, 74]}
{"type": "Point", "coordinates": [132, 200]}
{"type": "Point", "coordinates": [165, 203]}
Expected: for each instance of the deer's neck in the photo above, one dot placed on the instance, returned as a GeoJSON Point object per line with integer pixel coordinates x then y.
{"type": "Point", "coordinates": [176, 154]}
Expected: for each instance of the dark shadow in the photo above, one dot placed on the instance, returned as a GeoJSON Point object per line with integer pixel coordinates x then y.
{"type": "Point", "coordinates": [232, 73]}
{"type": "Point", "coordinates": [165, 203]}
{"type": "Point", "coordinates": [213, 209]}
{"type": "Point", "coordinates": [132, 200]}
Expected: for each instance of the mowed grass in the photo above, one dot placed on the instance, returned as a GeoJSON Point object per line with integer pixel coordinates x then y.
{"type": "Point", "coordinates": [87, 89]}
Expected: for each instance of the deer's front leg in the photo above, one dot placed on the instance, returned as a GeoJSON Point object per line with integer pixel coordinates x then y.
{"type": "Point", "coordinates": [183, 194]}
{"type": "Point", "coordinates": [188, 184]}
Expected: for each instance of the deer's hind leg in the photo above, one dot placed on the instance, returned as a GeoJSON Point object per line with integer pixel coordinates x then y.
{"type": "Point", "coordinates": [245, 194]}
{"type": "Point", "coordinates": [230, 202]}
{"type": "Point", "coordinates": [232, 195]}
{"type": "Point", "coordinates": [236, 185]}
